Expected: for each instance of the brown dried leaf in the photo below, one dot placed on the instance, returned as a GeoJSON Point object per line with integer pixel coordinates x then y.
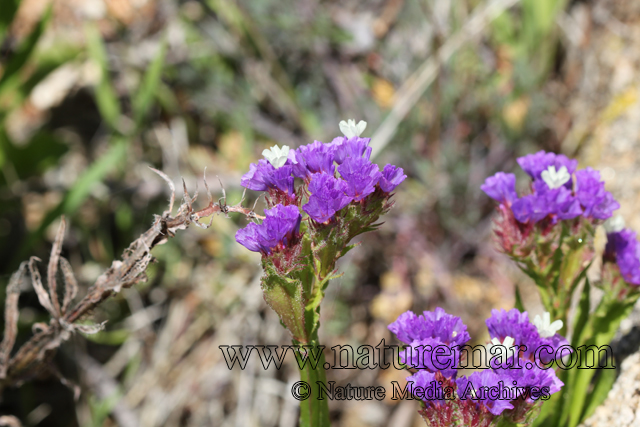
{"type": "Point", "coordinates": [52, 270]}
{"type": "Point", "coordinates": [36, 280]}
{"type": "Point", "coordinates": [70, 284]}
{"type": "Point", "coordinates": [11, 317]}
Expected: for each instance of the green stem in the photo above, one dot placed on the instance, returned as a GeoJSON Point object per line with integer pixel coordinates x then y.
{"type": "Point", "coordinates": [314, 412]}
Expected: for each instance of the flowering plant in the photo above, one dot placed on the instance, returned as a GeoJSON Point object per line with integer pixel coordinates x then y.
{"type": "Point", "coordinates": [553, 235]}
{"type": "Point", "coordinates": [508, 391]}
{"type": "Point", "coordinates": [308, 227]}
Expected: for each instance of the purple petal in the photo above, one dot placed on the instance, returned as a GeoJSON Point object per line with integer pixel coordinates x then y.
{"type": "Point", "coordinates": [597, 202]}
{"type": "Point", "coordinates": [624, 246]}
{"type": "Point", "coordinates": [327, 197]}
{"type": "Point", "coordinates": [391, 177]}
{"type": "Point", "coordinates": [361, 176]}
{"type": "Point", "coordinates": [501, 187]}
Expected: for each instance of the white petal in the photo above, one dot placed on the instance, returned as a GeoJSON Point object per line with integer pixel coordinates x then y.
{"type": "Point", "coordinates": [345, 128]}
{"type": "Point", "coordinates": [362, 125]}
{"type": "Point", "coordinates": [509, 342]}
{"type": "Point", "coordinates": [537, 321]}
{"type": "Point", "coordinates": [614, 224]}
{"type": "Point", "coordinates": [555, 178]}
{"type": "Point", "coordinates": [556, 326]}
{"type": "Point", "coordinates": [276, 156]}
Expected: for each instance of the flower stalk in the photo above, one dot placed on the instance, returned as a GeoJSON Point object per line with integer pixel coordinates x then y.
{"type": "Point", "coordinates": [308, 228]}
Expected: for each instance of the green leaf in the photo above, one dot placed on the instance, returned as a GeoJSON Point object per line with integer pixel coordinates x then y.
{"type": "Point", "coordinates": [601, 390]}
{"type": "Point", "coordinates": [106, 97]}
{"type": "Point", "coordinates": [582, 314]}
{"type": "Point", "coordinates": [519, 304]}
{"type": "Point", "coordinates": [117, 337]}
{"type": "Point", "coordinates": [20, 58]}
{"type": "Point", "coordinates": [150, 83]}
{"type": "Point", "coordinates": [605, 324]}
{"type": "Point", "coordinates": [8, 9]}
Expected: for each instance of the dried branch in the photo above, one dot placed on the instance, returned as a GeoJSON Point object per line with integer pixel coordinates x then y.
{"type": "Point", "coordinates": [34, 355]}
{"type": "Point", "coordinates": [52, 271]}
{"type": "Point", "coordinates": [11, 317]}
{"type": "Point", "coordinates": [70, 284]}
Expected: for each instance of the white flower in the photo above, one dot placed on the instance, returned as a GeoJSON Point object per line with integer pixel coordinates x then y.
{"type": "Point", "coordinates": [556, 179]}
{"type": "Point", "coordinates": [545, 328]}
{"type": "Point", "coordinates": [351, 129]}
{"type": "Point", "coordinates": [614, 224]}
{"type": "Point", "coordinates": [505, 346]}
{"type": "Point", "coordinates": [277, 156]}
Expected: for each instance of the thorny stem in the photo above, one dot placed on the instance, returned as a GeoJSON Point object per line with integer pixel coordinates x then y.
{"type": "Point", "coordinates": [33, 356]}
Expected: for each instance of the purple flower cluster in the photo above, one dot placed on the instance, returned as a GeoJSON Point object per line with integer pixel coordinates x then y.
{"type": "Point", "coordinates": [264, 176]}
{"type": "Point", "coordinates": [279, 228]}
{"type": "Point", "coordinates": [559, 192]}
{"type": "Point", "coordinates": [468, 389]}
{"type": "Point", "coordinates": [438, 324]}
{"type": "Point", "coordinates": [422, 354]}
{"type": "Point", "coordinates": [516, 325]}
{"type": "Point", "coordinates": [535, 164]}
{"type": "Point", "coordinates": [425, 333]}
{"type": "Point", "coordinates": [328, 196]}
{"type": "Point", "coordinates": [316, 164]}
{"type": "Point", "coordinates": [490, 391]}
{"type": "Point", "coordinates": [625, 248]}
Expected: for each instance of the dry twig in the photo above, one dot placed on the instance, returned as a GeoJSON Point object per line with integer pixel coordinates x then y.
{"type": "Point", "coordinates": [35, 354]}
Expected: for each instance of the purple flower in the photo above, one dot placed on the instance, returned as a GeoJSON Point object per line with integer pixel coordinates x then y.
{"type": "Point", "coordinates": [314, 158]}
{"type": "Point", "coordinates": [422, 354]}
{"type": "Point", "coordinates": [361, 176]}
{"type": "Point", "coordinates": [391, 177]}
{"type": "Point", "coordinates": [263, 176]}
{"type": "Point", "coordinates": [282, 180]}
{"type": "Point", "coordinates": [258, 176]}
{"type": "Point", "coordinates": [534, 164]}
{"type": "Point", "coordinates": [327, 197]}
{"type": "Point", "coordinates": [431, 324]}
{"type": "Point", "coordinates": [532, 377]}
{"type": "Point", "coordinates": [516, 325]}
{"type": "Point", "coordinates": [250, 238]}
{"type": "Point", "coordinates": [531, 208]}
{"type": "Point", "coordinates": [470, 388]}
{"type": "Point", "coordinates": [279, 228]}
{"type": "Point", "coordinates": [433, 391]}
{"type": "Point", "coordinates": [501, 187]}
{"type": "Point", "coordinates": [546, 201]}
{"type": "Point", "coordinates": [351, 147]}
{"type": "Point", "coordinates": [597, 202]}
{"type": "Point", "coordinates": [626, 249]}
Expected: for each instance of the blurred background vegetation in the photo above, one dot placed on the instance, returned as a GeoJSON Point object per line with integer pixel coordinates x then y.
{"type": "Point", "coordinates": [92, 92]}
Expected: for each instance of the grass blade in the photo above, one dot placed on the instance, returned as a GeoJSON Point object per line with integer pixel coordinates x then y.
{"type": "Point", "coordinates": [23, 54]}
{"type": "Point", "coordinates": [141, 102]}
{"type": "Point", "coordinates": [106, 97]}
